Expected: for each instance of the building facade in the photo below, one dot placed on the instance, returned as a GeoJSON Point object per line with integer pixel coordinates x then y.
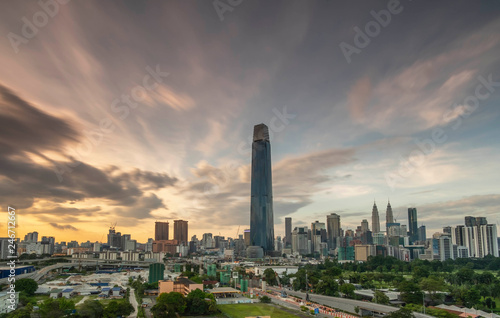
{"type": "Point", "coordinates": [412, 224]}
{"type": "Point", "coordinates": [261, 206]}
{"type": "Point", "coordinates": [181, 231]}
{"type": "Point", "coordinates": [375, 219]}
{"type": "Point", "coordinates": [161, 231]}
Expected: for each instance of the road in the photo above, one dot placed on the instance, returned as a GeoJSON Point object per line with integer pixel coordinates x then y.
{"type": "Point", "coordinates": [82, 301]}
{"type": "Point", "coordinates": [347, 304]}
{"type": "Point", "coordinates": [133, 301]}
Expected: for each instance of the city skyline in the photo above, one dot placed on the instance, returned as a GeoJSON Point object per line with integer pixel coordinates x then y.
{"type": "Point", "coordinates": [107, 121]}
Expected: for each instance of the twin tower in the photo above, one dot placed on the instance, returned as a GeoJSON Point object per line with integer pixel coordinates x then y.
{"type": "Point", "coordinates": [261, 205]}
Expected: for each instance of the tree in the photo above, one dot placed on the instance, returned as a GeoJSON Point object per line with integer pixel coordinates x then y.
{"type": "Point", "coordinates": [465, 275]}
{"type": "Point", "coordinates": [488, 302]}
{"type": "Point", "coordinates": [433, 284]}
{"type": "Point", "coordinates": [327, 286]}
{"type": "Point", "coordinates": [24, 312]}
{"type": "Point", "coordinates": [52, 308]}
{"type": "Point", "coordinates": [265, 299]}
{"type": "Point", "coordinates": [381, 298]}
{"type": "Point", "coordinates": [348, 290]}
{"type": "Point", "coordinates": [270, 276]}
{"type": "Point", "coordinates": [115, 309]}
{"type": "Point", "coordinates": [91, 309]}
{"type": "Point", "coordinates": [472, 297]}
{"type": "Point", "coordinates": [485, 278]}
{"type": "Point", "coordinates": [333, 271]}
{"type": "Point", "coordinates": [167, 305]}
{"type": "Point", "coordinates": [401, 313]}
{"type": "Point", "coordinates": [420, 272]}
{"type": "Point", "coordinates": [26, 285]}
{"type": "Point", "coordinates": [199, 303]}
{"type": "Point", "coordinates": [410, 292]}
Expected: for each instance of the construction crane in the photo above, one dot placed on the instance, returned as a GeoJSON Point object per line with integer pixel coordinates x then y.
{"type": "Point", "coordinates": [237, 232]}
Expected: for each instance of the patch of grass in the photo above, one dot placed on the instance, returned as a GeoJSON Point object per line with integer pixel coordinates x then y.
{"type": "Point", "coordinates": [41, 298]}
{"type": "Point", "coordinates": [257, 309]}
{"type": "Point", "coordinates": [106, 301]}
{"type": "Point", "coordinates": [76, 299]}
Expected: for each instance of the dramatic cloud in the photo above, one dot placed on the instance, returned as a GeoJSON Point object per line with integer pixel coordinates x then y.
{"type": "Point", "coordinates": [26, 180]}
{"type": "Point", "coordinates": [181, 149]}
{"type": "Point", "coordinates": [223, 192]}
{"type": "Point", "coordinates": [24, 128]}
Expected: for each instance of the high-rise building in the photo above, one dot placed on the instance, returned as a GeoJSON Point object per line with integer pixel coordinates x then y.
{"type": "Point", "coordinates": [161, 231]}
{"type": "Point", "coordinates": [422, 233]}
{"type": "Point", "coordinates": [333, 229]}
{"type": "Point", "coordinates": [181, 231]}
{"type": "Point", "coordinates": [389, 218]}
{"type": "Point", "coordinates": [470, 221]}
{"type": "Point", "coordinates": [156, 272]}
{"type": "Point", "coordinates": [364, 226]}
{"type": "Point", "coordinates": [412, 224]}
{"type": "Point", "coordinates": [288, 233]}
{"type": "Point", "coordinates": [299, 241]}
{"type": "Point", "coordinates": [114, 238]}
{"type": "Point", "coordinates": [207, 240]}
{"type": "Point", "coordinates": [487, 240]}
{"type": "Point", "coordinates": [246, 237]}
{"type": "Point", "coordinates": [447, 230]}
{"type": "Point", "coordinates": [316, 229]}
{"type": "Point", "coordinates": [375, 219]}
{"type": "Point", "coordinates": [475, 221]}
{"type": "Point", "coordinates": [261, 207]}
{"type": "Point", "coordinates": [445, 248]}
{"type": "Point", "coordinates": [458, 234]}
{"type": "Point", "coordinates": [31, 237]}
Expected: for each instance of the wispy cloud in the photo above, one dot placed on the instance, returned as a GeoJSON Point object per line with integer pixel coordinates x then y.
{"type": "Point", "coordinates": [63, 227]}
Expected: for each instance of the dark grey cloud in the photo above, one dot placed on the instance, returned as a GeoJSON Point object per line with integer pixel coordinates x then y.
{"type": "Point", "coordinates": [63, 227]}
{"type": "Point", "coordinates": [25, 129]}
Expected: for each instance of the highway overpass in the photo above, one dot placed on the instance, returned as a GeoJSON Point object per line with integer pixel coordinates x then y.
{"type": "Point", "coordinates": [348, 304]}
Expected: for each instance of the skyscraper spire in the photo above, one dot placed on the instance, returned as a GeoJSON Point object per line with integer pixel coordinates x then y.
{"type": "Point", "coordinates": [389, 218]}
{"type": "Point", "coordinates": [375, 219]}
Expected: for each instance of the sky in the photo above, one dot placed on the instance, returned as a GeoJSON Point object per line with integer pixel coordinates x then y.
{"type": "Point", "coordinates": [135, 112]}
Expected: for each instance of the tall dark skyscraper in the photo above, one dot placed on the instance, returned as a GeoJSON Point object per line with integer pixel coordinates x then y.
{"type": "Point", "coordinates": [261, 206]}
{"type": "Point", "coordinates": [375, 219]}
{"type": "Point", "coordinates": [181, 231]}
{"type": "Point", "coordinates": [288, 232]}
{"type": "Point", "coordinates": [161, 231]}
{"type": "Point", "coordinates": [412, 224]}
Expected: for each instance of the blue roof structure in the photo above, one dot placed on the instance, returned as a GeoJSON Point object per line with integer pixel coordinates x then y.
{"type": "Point", "coordinates": [68, 290]}
{"type": "Point", "coordinates": [117, 289]}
